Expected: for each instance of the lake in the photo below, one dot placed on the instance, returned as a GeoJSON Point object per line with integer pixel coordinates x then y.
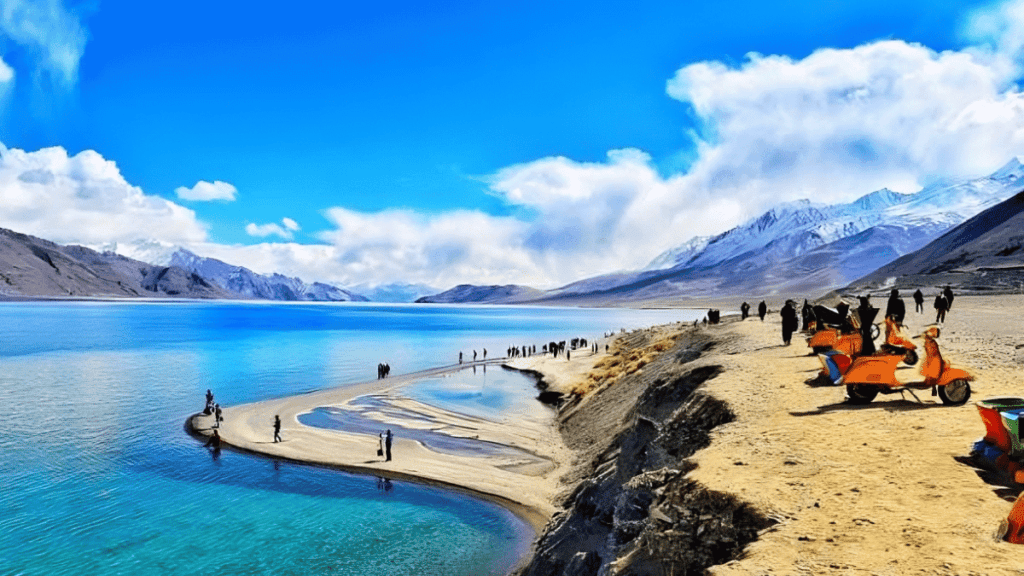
{"type": "Point", "coordinates": [97, 475]}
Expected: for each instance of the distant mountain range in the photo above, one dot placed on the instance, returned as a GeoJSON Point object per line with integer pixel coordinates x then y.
{"type": "Point", "coordinates": [985, 253]}
{"type": "Point", "coordinates": [244, 282]}
{"type": "Point", "coordinates": [237, 280]}
{"type": "Point", "coordinates": [467, 293]}
{"type": "Point", "coordinates": [800, 247]}
{"type": "Point", "coordinates": [33, 267]}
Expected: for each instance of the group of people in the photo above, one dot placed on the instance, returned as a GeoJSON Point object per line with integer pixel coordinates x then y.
{"type": "Point", "coordinates": [213, 408]}
{"type": "Point", "coordinates": [474, 355]}
{"type": "Point", "coordinates": [895, 308]}
{"type": "Point", "coordinates": [383, 370]}
{"type": "Point", "coordinates": [762, 310]}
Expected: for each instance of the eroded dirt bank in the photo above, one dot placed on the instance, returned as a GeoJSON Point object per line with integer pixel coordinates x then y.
{"type": "Point", "coordinates": [630, 507]}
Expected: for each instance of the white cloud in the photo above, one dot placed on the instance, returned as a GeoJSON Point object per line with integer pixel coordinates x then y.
{"type": "Point", "coordinates": [48, 31]}
{"type": "Point", "coordinates": [204, 191]}
{"type": "Point", "coordinates": [832, 126]}
{"type": "Point", "coordinates": [272, 229]}
{"type": "Point", "coordinates": [6, 72]}
{"type": "Point", "coordinates": [84, 199]}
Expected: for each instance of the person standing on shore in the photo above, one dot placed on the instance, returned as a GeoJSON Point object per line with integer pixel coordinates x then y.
{"type": "Point", "coordinates": [790, 323]}
{"type": "Point", "coordinates": [941, 305]}
{"type": "Point", "coordinates": [762, 309]}
{"type": "Point", "coordinates": [918, 301]}
{"type": "Point", "coordinates": [744, 311]}
{"type": "Point", "coordinates": [460, 357]}
{"type": "Point", "coordinates": [209, 402]}
{"type": "Point", "coordinates": [217, 418]}
{"type": "Point", "coordinates": [895, 307]}
{"type": "Point", "coordinates": [387, 445]}
{"type": "Point", "coordinates": [485, 353]}
{"type": "Point", "coordinates": [948, 293]}
{"type": "Point", "coordinates": [214, 441]}
{"type": "Point", "coordinates": [277, 428]}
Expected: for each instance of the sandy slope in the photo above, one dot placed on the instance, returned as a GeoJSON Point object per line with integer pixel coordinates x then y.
{"type": "Point", "coordinates": [869, 489]}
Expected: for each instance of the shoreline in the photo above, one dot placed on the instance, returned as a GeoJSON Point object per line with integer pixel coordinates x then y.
{"type": "Point", "coordinates": [522, 489]}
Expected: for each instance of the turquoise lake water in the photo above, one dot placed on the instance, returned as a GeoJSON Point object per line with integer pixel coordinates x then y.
{"type": "Point", "coordinates": [97, 475]}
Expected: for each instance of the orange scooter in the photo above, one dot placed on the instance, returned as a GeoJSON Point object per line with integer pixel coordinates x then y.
{"type": "Point", "coordinates": [869, 375]}
{"type": "Point", "coordinates": [835, 363]}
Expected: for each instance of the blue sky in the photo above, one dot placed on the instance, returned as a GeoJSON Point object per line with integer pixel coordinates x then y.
{"type": "Point", "coordinates": [366, 143]}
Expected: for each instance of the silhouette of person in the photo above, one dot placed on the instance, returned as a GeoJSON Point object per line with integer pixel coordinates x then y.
{"type": "Point", "coordinates": [744, 311]}
{"type": "Point", "coordinates": [941, 305]}
{"type": "Point", "coordinates": [474, 355]}
{"type": "Point", "coordinates": [277, 428]}
{"type": "Point", "coordinates": [209, 402]}
{"type": "Point", "coordinates": [789, 321]}
{"type": "Point", "coordinates": [948, 293]}
{"type": "Point", "coordinates": [387, 445]}
{"type": "Point", "coordinates": [217, 418]}
{"type": "Point", "coordinates": [214, 441]}
{"type": "Point", "coordinates": [918, 301]}
{"type": "Point", "coordinates": [460, 357]}
{"type": "Point", "coordinates": [762, 309]}
{"type": "Point", "coordinates": [895, 307]}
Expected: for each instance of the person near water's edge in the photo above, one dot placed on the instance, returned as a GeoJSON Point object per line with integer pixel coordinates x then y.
{"type": "Point", "coordinates": [387, 445]}
{"type": "Point", "coordinates": [277, 428]}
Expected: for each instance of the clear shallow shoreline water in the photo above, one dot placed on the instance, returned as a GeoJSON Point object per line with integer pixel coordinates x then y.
{"type": "Point", "coordinates": [99, 478]}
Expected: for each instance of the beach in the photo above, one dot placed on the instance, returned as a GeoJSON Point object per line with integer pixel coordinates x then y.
{"type": "Point", "coordinates": [843, 489]}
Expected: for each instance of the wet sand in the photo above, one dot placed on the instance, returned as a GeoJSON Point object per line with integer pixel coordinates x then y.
{"type": "Point", "coordinates": [520, 471]}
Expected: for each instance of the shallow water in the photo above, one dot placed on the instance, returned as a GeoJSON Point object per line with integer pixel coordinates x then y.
{"type": "Point", "coordinates": [98, 477]}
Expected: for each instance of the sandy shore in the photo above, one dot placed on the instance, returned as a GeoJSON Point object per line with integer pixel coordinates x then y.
{"type": "Point", "coordinates": [525, 479]}
{"type": "Point", "coordinates": [872, 489]}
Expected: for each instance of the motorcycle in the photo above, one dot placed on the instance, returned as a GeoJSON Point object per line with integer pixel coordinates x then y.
{"type": "Point", "coordinates": [868, 376]}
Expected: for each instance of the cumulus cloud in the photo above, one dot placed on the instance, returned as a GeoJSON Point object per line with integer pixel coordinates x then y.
{"type": "Point", "coordinates": [283, 230]}
{"type": "Point", "coordinates": [48, 31]}
{"type": "Point", "coordinates": [205, 191]}
{"type": "Point", "coordinates": [84, 199]}
{"type": "Point", "coordinates": [832, 126]}
{"type": "Point", "coordinates": [6, 72]}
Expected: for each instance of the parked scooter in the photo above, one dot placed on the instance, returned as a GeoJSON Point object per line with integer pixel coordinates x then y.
{"type": "Point", "coordinates": [835, 363]}
{"type": "Point", "coordinates": [869, 375]}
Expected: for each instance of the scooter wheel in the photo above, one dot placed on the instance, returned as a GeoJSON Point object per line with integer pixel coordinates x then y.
{"type": "Point", "coordinates": [861, 393]}
{"type": "Point", "coordinates": [955, 393]}
{"type": "Point", "coordinates": [910, 358]}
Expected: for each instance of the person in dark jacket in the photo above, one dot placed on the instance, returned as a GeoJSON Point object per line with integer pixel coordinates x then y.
{"type": "Point", "coordinates": [808, 315]}
{"type": "Point", "coordinates": [948, 293]}
{"type": "Point", "coordinates": [895, 308]}
{"type": "Point", "coordinates": [762, 309]}
{"type": "Point", "coordinates": [387, 445]}
{"type": "Point", "coordinates": [789, 321]}
{"type": "Point", "coordinates": [941, 305]}
{"type": "Point", "coordinates": [918, 301]}
{"type": "Point", "coordinates": [744, 311]}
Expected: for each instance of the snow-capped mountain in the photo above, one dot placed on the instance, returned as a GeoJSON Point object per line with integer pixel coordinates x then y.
{"type": "Point", "coordinates": [243, 281]}
{"type": "Point", "coordinates": [236, 279]}
{"type": "Point", "coordinates": [796, 228]}
{"type": "Point", "coordinates": [804, 246]}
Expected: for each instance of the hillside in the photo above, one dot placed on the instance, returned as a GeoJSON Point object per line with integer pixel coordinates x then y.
{"type": "Point", "coordinates": [469, 294]}
{"type": "Point", "coordinates": [33, 267]}
{"type": "Point", "coordinates": [982, 254]}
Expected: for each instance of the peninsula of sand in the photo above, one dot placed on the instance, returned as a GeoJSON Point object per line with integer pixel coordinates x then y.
{"type": "Point", "coordinates": [686, 449]}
